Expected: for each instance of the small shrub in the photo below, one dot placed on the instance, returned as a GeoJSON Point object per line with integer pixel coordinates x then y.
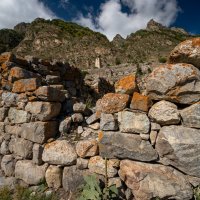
{"type": "Point", "coordinates": [162, 60]}
{"type": "Point", "coordinates": [5, 194]}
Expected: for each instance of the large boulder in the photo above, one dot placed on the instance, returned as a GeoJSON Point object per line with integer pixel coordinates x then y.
{"type": "Point", "coordinates": [134, 122]}
{"type": "Point", "coordinates": [122, 145]}
{"type": "Point", "coordinates": [59, 152]}
{"type": "Point", "coordinates": [191, 116]}
{"type": "Point", "coordinates": [148, 181]}
{"type": "Point", "coordinates": [39, 132]}
{"type": "Point", "coordinates": [187, 52]}
{"type": "Point", "coordinates": [164, 113]}
{"type": "Point", "coordinates": [178, 83]}
{"type": "Point", "coordinates": [112, 103]}
{"type": "Point", "coordinates": [178, 146]}
{"type": "Point", "coordinates": [43, 111]}
{"type": "Point", "coordinates": [30, 173]}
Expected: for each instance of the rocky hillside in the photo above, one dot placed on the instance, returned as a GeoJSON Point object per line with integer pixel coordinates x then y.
{"type": "Point", "coordinates": [81, 46]}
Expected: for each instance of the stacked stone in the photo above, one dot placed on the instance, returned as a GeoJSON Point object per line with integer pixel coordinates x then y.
{"type": "Point", "coordinates": [35, 95]}
{"type": "Point", "coordinates": [151, 139]}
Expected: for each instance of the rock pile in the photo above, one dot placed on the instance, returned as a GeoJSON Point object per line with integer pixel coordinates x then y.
{"type": "Point", "coordinates": [151, 141]}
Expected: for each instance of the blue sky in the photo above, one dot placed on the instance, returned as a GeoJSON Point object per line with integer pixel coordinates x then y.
{"type": "Point", "coordinates": [107, 16]}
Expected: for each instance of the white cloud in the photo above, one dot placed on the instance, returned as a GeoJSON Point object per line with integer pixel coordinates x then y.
{"type": "Point", "coordinates": [16, 11]}
{"type": "Point", "coordinates": [112, 20]}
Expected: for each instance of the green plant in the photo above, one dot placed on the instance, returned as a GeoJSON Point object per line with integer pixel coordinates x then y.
{"type": "Point", "coordinates": [5, 194]}
{"type": "Point", "coordinates": [197, 193]}
{"type": "Point", "coordinates": [92, 190]}
{"type": "Point", "coordinates": [162, 59]}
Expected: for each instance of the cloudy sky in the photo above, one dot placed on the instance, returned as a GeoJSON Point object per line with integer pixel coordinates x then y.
{"type": "Point", "coordinates": [107, 16]}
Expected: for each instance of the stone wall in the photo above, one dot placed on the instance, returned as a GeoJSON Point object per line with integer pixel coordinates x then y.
{"type": "Point", "coordinates": [151, 139]}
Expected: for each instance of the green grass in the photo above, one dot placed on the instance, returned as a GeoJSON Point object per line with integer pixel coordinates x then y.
{"type": "Point", "coordinates": [20, 193]}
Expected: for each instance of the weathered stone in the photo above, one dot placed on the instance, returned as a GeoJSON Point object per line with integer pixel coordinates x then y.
{"type": "Point", "coordinates": [93, 118]}
{"type": "Point", "coordinates": [3, 113]}
{"type": "Point", "coordinates": [82, 163]}
{"type": "Point", "coordinates": [26, 85]}
{"type": "Point", "coordinates": [178, 146]}
{"type": "Point", "coordinates": [155, 126]}
{"type": "Point", "coordinates": [73, 178]}
{"type": "Point", "coordinates": [87, 148]}
{"type": "Point", "coordinates": [116, 181]}
{"type": "Point", "coordinates": [178, 83]}
{"type": "Point", "coordinates": [47, 93]}
{"type": "Point", "coordinates": [122, 145]}
{"type": "Point", "coordinates": [17, 73]}
{"type": "Point", "coordinates": [43, 111]}
{"type": "Point", "coordinates": [98, 165]}
{"type": "Point", "coordinates": [140, 102]}
{"type": "Point", "coordinates": [149, 181]}
{"type": "Point", "coordinates": [30, 173]}
{"type": "Point", "coordinates": [59, 152]}
{"type": "Point", "coordinates": [95, 126]}
{"type": "Point", "coordinates": [65, 125]}
{"type": "Point", "coordinates": [112, 103]}
{"type": "Point", "coordinates": [21, 147]}
{"type": "Point", "coordinates": [164, 113]}
{"type": "Point", "coordinates": [8, 165]}
{"type": "Point", "coordinates": [2, 127]}
{"type": "Point", "coordinates": [52, 79]}
{"type": "Point", "coordinates": [53, 177]}
{"type": "Point", "coordinates": [9, 99]}
{"type": "Point", "coordinates": [6, 57]}
{"type": "Point", "coordinates": [9, 182]}
{"type": "Point", "coordinates": [18, 116]}
{"type": "Point", "coordinates": [187, 52]}
{"type": "Point", "coordinates": [80, 129]}
{"type": "Point", "coordinates": [13, 130]}
{"type": "Point", "coordinates": [126, 85]}
{"type": "Point", "coordinates": [134, 122]}
{"type": "Point", "coordinates": [145, 136]}
{"type": "Point", "coordinates": [153, 137]}
{"type": "Point", "coordinates": [108, 122]}
{"type": "Point", "coordinates": [4, 150]}
{"type": "Point", "coordinates": [77, 117]}
{"type": "Point", "coordinates": [37, 154]}
{"type": "Point", "coordinates": [39, 132]}
{"type": "Point", "coordinates": [79, 107]}
{"type": "Point", "coordinates": [191, 116]}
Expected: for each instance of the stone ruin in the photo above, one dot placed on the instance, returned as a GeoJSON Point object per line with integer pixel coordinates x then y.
{"type": "Point", "coordinates": [151, 139]}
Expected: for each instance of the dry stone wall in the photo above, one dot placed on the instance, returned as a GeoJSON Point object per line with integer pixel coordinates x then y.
{"type": "Point", "coordinates": [151, 140]}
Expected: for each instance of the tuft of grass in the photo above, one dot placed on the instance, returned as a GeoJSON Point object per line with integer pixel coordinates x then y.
{"type": "Point", "coordinates": [162, 60]}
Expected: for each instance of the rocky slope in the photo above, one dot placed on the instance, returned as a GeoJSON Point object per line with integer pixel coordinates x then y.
{"type": "Point", "coordinates": [81, 46]}
{"type": "Point", "coordinates": [150, 137]}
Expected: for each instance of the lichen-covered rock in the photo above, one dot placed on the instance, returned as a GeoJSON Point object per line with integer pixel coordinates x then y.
{"type": "Point", "coordinates": [39, 132]}
{"type": "Point", "coordinates": [108, 122]}
{"type": "Point", "coordinates": [77, 117]}
{"type": "Point", "coordinates": [87, 148]}
{"type": "Point", "coordinates": [164, 113]}
{"type": "Point", "coordinates": [134, 122]}
{"type": "Point", "coordinates": [53, 177]}
{"type": "Point", "coordinates": [18, 116]}
{"type": "Point", "coordinates": [178, 83]}
{"type": "Point", "coordinates": [126, 85]}
{"type": "Point", "coordinates": [112, 103]}
{"type": "Point", "coordinates": [97, 165]}
{"type": "Point", "coordinates": [140, 102]}
{"type": "Point", "coordinates": [149, 181]}
{"type": "Point", "coordinates": [178, 146]}
{"type": "Point", "coordinates": [9, 98]}
{"type": "Point", "coordinates": [17, 73]}
{"type": "Point", "coordinates": [30, 173]}
{"type": "Point", "coordinates": [191, 116]}
{"type": "Point", "coordinates": [65, 125]}
{"type": "Point", "coordinates": [79, 107]}
{"type": "Point", "coordinates": [43, 111]}
{"type": "Point", "coordinates": [26, 85]}
{"type": "Point", "coordinates": [122, 145]}
{"type": "Point", "coordinates": [59, 152]}
{"type": "Point", "coordinates": [47, 93]}
{"type": "Point", "coordinates": [187, 52]}
{"type": "Point", "coordinates": [6, 57]}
